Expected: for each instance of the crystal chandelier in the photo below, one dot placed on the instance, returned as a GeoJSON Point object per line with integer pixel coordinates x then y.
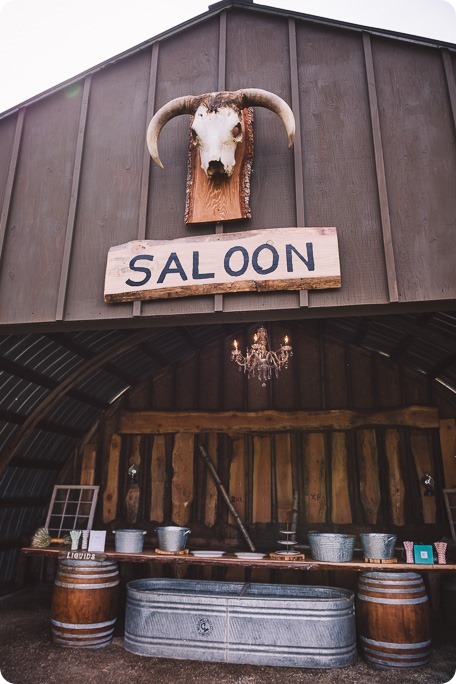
{"type": "Point", "coordinates": [259, 359]}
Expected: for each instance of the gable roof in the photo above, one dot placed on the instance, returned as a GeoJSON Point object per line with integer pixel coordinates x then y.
{"type": "Point", "coordinates": [214, 10]}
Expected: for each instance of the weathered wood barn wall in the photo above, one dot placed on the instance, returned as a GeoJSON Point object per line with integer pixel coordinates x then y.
{"type": "Point", "coordinates": [375, 156]}
{"type": "Point", "coordinates": [354, 462]}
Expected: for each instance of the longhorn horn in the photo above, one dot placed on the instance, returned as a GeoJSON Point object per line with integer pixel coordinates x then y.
{"type": "Point", "coordinates": [180, 105]}
{"type": "Point", "coordinates": [256, 97]}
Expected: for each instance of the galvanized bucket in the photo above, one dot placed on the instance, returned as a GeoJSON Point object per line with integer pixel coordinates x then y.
{"type": "Point", "coordinates": [330, 547]}
{"type": "Point", "coordinates": [172, 538]}
{"type": "Point", "coordinates": [377, 545]}
{"type": "Point", "coordinates": [129, 541]}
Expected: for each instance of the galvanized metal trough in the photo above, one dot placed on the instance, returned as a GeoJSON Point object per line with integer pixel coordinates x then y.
{"type": "Point", "coordinates": [233, 622]}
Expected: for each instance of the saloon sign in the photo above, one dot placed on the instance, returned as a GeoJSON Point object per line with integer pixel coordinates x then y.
{"type": "Point", "coordinates": [258, 260]}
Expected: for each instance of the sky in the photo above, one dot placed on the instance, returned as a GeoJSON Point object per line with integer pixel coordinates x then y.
{"type": "Point", "coordinates": [46, 42]}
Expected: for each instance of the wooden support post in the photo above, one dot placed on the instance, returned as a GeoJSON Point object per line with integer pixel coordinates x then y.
{"type": "Point", "coordinates": [89, 460]}
{"type": "Point", "coordinates": [396, 479]}
{"type": "Point", "coordinates": [237, 476]}
{"type": "Point", "coordinates": [421, 446]}
{"type": "Point", "coordinates": [133, 492]}
{"type": "Point", "coordinates": [448, 447]}
{"type": "Point", "coordinates": [283, 477]}
{"type": "Point", "coordinates": [341, 512]}
{"type": "Point", "coordinates": [210, 512]}
{"type": "Point", "coordinates": [110, 496]}
{"type": "Point", "coordinates": [261, 505]}
{"type": "Point", "coordinates": [182, 485]}
{"type": "Point", "coordinates": [158, 478]}
{"type": "Point", "coordinates": [368, 475]}
{"type": "Point", "coordinates": [315, 477]}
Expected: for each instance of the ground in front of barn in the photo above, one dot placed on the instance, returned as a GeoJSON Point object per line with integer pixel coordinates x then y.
{"type": "Point", "coordinates": [28, 656]}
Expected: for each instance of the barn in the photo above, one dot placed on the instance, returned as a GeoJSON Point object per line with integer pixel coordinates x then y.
{"type": "Point", "coordinates": [122, 396]}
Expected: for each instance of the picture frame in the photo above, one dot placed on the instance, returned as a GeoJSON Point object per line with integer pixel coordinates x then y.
{"type": "Point", "coordinates": [97, 541]}
{"type": "Point", "coordinates": [423, 554]}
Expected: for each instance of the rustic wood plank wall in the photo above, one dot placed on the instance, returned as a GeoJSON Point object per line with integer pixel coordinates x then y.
{"type": "Point", "coordinates": [266, 482]}
{"type": "Point", "coordinates": [355, 454]}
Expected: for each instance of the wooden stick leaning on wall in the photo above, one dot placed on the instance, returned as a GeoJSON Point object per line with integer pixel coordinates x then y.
{"type": "Point", "coordinates": [225, 496]}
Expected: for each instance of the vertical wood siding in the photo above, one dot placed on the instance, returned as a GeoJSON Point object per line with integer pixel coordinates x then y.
{"type": "Point", "coordinates": [375, 156]}
{"type": "Point", "coordinates": [420, 154]}
{"type": "Point", "coordinates": [112, 159]}
{"type": "Point", "coordinates": [29, 277]}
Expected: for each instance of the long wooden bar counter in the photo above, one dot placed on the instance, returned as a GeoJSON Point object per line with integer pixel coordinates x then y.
{"type": "Point", "coordinates": [230, 560]}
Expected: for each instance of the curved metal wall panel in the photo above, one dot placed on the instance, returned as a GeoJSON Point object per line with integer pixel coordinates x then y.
{"type": "Point", "coordinates": [57, 447]}
{"type": "Point", "coordinates": [12, 525]}
{"type": "Point", "coordinates": [73, 413]}
{"type": "Point", "coordinates": [7, 430]}
{"type": "Point", "coordinates": [18, 395]}
{"type": "Point", "coordinates": [96, 340]}
{"type": "Point", "coordinates": [27, 482]}
{"type": "Point", "coordinates": [103, 386]}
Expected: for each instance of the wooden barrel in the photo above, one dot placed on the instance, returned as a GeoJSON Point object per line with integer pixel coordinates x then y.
{"type": "Point", "coordinates": [84, 603]}
{"type": "Point", "coordinates": [393, 619]}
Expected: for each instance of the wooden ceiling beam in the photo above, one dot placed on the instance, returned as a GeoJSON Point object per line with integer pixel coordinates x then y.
{"type": "Point", "coordinates": [362, 332]}
{"type": "Point", "coordinates": [161, 422]}
{"type": "Point", "coordinates": [185, 333]}
{"type": "Point", "coordinates": [66, 341]}
{"type": "Point", "coordinates": [48, 425]}
{"type": "Point", "coordinates": [445, 342]}
{"type": "Point", "coordinates": [29, 375]}
{"type": "Point", "coordinates": [401, 347]}
{"type": "Point", "coordinates": [25, 373]}
{"type": "Point", "coordinates": [445, 363]}
{"type": "Point", "coordinates": [34, 463]}
{"type": "Point", "coordinates": [150, 351]}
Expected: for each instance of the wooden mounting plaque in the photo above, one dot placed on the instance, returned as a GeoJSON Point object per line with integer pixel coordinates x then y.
{"type": "Point", "coordinates": [294, 557]}
{"type": "Point", "coordinates": [218, 199]}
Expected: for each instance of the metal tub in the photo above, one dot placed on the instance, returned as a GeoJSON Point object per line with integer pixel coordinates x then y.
{"type": "Point", "coordinates": [330, 547]}
{"type": "Point", "coordinates": [129, 541]}
{"type": "Point", "coordinates": [233, 622]}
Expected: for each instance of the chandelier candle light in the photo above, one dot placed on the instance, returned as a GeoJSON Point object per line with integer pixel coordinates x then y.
{"type": "Point", "coordinates": [259, 359]}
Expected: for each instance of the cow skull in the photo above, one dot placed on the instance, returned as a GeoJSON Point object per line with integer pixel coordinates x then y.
{"type": "Point", "coordinates": [217, 124]}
